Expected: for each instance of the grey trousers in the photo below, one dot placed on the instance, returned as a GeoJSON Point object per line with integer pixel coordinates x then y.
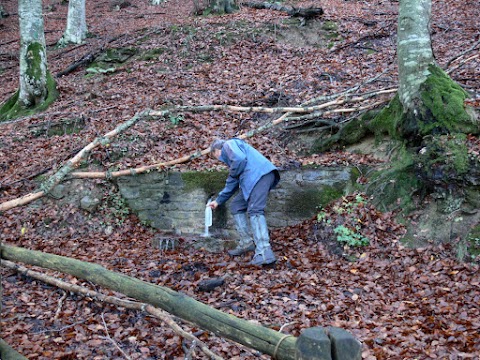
{"type": "Point", "coordinates": [258, 198]}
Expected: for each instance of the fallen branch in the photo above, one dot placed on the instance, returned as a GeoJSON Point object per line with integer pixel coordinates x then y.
{"type": "Point", "coordinates": [449, 71]}
{"type": "Point", "coordinates": [128, 304]}
{"type": "Point", "coordinates": [459, 56]}
{"type": "Point", "coordinates": [71, 164]}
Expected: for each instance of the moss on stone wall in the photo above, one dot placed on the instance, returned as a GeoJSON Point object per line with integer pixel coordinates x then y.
{"type": "Point", "coordinates": [305, 203]}
{"type": "Point", "coordinates": [210, 181]}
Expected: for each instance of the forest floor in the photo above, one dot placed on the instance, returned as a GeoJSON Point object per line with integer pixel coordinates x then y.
{"type": "Point", "coordinates": [401, 303]}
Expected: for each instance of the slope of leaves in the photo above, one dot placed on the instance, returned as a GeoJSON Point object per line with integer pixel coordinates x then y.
{"type": "Point", "coordinates": [401, 303]}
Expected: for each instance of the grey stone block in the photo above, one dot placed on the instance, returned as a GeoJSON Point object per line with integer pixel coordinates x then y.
{"type": "Point", "coordinates": [313, 344]}
{"type": "Point", "coordinates": [344, 345]}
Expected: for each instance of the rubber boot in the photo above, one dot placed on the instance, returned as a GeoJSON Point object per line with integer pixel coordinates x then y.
{"type": "Point", "coordinates": [263, 252]}
{"type": "Point", "coordinates": [246, 243]}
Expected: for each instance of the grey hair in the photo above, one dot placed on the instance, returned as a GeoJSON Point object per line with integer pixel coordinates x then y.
{"type": "Point", "coordinates": [216, 144]}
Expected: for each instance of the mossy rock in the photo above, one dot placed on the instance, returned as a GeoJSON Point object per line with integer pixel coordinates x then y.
{"type": "Point", "coordinates": [443, 160]}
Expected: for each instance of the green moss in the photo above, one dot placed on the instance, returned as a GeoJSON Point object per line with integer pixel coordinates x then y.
{"type": "Point", "coordinates": [353, 131]}
{"type": "Point", "coordinates": [396, 190]}
{"type": "Point", "coordinates": [473, 241]}
{"type": "Point", "coordinates": [306, 203]}
{"type": "Point", "coordinates": [329, 26]}
{"type": "Point", "coordinates": [394, 187]}
{"type": "Point", "coordinates": [444, 110]}
{"type": "Point", "coordinates": [210, 181]}
{"type": "Point", "coordinates": [12, 108]}
{"type": "Point", "coordinates": [35, 53]}
{"type": "Point", "coordinates": [153, 54]}
{"type": "Point", "coordinates": [388, 119]}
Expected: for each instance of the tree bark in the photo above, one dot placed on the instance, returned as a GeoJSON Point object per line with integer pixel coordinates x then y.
{"type": "Point", "coordinates": [414, 50]}
{"type": "Point", "coordinates": [241, 331]}
{"type": "Point", "coordinates": [223, 6]}
{"type": "Point", "coordinates": [76, 30]}
{"type": "Point", "coordinates": [7, 352]}
{"type": "Point", "coordinates": [33, 57]}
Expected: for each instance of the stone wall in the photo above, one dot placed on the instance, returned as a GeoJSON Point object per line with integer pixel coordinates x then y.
{"type": "Point", "coordinates": [175, 201]}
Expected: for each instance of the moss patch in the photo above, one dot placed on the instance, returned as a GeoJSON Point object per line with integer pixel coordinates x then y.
{"type": "Point", "coordinates": [473, 241]}
{"type": "Point", "coordinates": [444, 110]}
{"type": "Point", "coordinates": [12, 108]}
{"type": "Point", "coordinates": [388, 119]}
{"type": "Point", "coordinates": [210, 181]}
{"type": "Point", "coordinates": [306, 203]}
{"type": "Point", "coordinates": [443, 160]}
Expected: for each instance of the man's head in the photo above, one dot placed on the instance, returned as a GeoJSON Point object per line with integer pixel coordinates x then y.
{"type": "Point", "coordinates": [216, 148]}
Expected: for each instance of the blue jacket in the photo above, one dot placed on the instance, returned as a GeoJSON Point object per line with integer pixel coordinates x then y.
{"type": "Point", "coordinates": [246, 166]}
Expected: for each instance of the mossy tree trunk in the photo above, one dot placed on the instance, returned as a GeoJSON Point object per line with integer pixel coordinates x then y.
{"type": "Point", "coordinates": [33, 55]}
{"type": "Point", "coordinates": [76, 30]}
{"type": "Point", "coordinates": [36, 86]}
{"type": "Point", "coordinates": [430, 123]}
{"type": "Point", "coordinates": [432, 102]}
{"type": "Point", "coordinates": [223, 6]}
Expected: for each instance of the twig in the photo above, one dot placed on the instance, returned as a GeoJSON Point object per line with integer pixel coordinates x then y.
{"type": "Point", "coordinates": [449, 71]}
{"type": "Point", "coordinates": [463, 53]}
{"type": "Point", "coordinates": [60, 304]}
{"type": "Point", "coordinates": [108, 337]}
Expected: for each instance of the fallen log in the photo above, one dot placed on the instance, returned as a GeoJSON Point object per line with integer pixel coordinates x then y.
{"type": "Point", "coordinates": [226, 325]}
{"type": "Point", "coordinates": [306, 13]}
{"type": "Point", "coordinates": [7, 352]}
{"type": "Point", "coordinates": [128, 304]}
{"type": "Point", "coordinates": [313, 343]}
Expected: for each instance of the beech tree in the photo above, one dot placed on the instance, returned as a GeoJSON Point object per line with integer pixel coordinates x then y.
{"type": "Point", "coordinates": [428, 115]}
{"type": "Point", "coordinates": [431, 101]}
{"type": "Point", "coordinates": [36, 86]}
{"type": "Point", "coordinates": [223, 6]}
{"type": "Point", "coordinates": [76, 30]}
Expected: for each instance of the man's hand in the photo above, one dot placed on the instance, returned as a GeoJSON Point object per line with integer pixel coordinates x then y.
{"type": "Point", "coordinates": [213, 204]}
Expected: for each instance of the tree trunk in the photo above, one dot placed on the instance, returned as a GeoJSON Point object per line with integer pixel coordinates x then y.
{"type": "Point", "coordinates": [36, 86]}
{"type": "Point", "coordinates": [76, 30]}
{"type": "Point", "coordinates": [414, 50]}
{"type": "Point", "coordinates": [223, 6]}
{"type": "Point", "coordinates": [432, 103]}
{"type": "Point", "coordinates": [33, 56]}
